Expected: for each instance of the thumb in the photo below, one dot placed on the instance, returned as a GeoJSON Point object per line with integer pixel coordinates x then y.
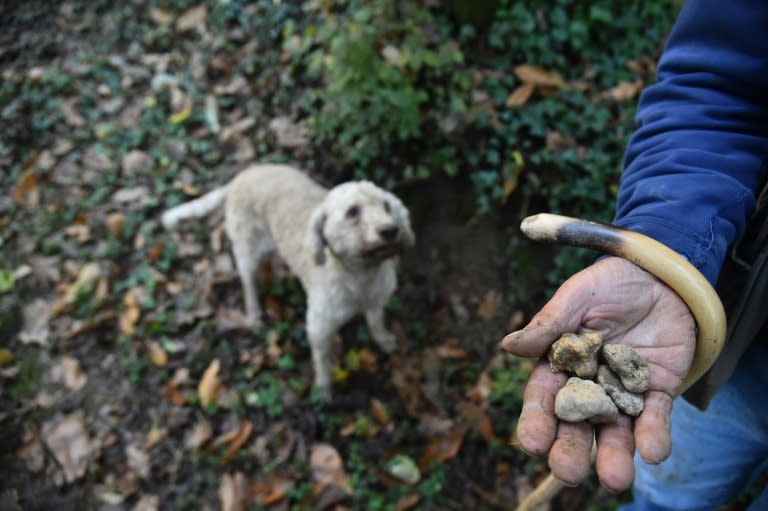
{"type": "Point", "coordinates": [563, 313]}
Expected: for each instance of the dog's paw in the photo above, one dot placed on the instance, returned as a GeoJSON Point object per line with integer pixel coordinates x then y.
{"type": "Point", "coordinates": [322, 393]}
{"type": "Point", "coordinates": [387, 341]}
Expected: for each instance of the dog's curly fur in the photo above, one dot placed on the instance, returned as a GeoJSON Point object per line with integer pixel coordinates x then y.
{"type": "Point", "coordinates": [341, 243]}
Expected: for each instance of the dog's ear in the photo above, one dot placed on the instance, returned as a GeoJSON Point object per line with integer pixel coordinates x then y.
{"type": "Point", "coordinates": [317, 240]}
{"type": "Point", "coordinates": [403, 217]}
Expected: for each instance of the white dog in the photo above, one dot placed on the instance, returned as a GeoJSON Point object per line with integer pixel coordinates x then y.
{"type": "Point", "coordinates": [341, 243]}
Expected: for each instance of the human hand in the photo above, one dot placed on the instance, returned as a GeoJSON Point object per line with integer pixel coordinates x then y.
{"type": "Point", "coordinates": [626, 305]}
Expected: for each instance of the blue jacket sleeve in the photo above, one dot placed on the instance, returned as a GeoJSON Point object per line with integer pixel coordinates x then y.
{"type": "Point", "coordinates": [697, 160]}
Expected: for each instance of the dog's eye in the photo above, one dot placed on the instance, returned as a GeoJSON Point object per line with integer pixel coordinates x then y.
{"type": "Point", "coordinates": [387, 207]}
{"type": "Point", "coordinates": [353, 212]}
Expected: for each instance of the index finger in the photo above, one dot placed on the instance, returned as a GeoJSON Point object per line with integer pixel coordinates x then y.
{"type": "Point", "coordinates": [537, 426]}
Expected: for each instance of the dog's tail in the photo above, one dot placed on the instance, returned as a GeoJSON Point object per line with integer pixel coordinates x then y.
{"type": "Point", "coordinates": [197, 208]}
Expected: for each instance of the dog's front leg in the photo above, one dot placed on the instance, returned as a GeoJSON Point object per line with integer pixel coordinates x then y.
{"type": "Point", "coordinates": [322, 325]}
{"type": "Point", "coordinates": [386, 340]}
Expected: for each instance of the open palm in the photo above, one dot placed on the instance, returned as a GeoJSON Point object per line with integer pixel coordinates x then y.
{"type": "Point", "coordinates": [626, 305]}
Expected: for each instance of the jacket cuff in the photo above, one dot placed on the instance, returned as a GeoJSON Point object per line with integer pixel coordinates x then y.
{"type": "Point", "coordinates": [697, 251]}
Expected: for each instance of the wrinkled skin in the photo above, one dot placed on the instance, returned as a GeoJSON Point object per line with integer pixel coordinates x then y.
{"type": "Point", "coordinates": [626, 305]}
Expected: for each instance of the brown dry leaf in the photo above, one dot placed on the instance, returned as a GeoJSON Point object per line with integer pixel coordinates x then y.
{"type": "Point", "coordinates": [271, 489]}
{"type": "Point", "coordinates": [131, 313]}
{"type": "Point", "coordinates": [26, 191]}
{"type": "Point", "coordinates": [138, 459]}
{"type": "Point", "coordinates": [67, 371]}
{"type": "Point", "coordinates": [626, 90]}
{"type": "Point", "coordinates": [380, 413]}
{"type": "Point", "coordinates": [443, 448]}
{"type": "Point", "coordinates": [80, 232]}
{"type": "Point", "coordinates": [192, 18]}
{"type": "Point", "coordinates": [147, 503]}
{"type": "Point", "coordinates": [180, 377]}
{"type": "Point", "coordinates": [481, 390]}
{"type": "Point", "coordinates": [31, 451]}
{"type": "Point", "coordinates": [535, 75]}
{"type": "Point", "coordinates": [187, 188]}
{"type": "Point", "coordinates": [520, 95]}
{"type": "Point", "coordinates": [451, 349]}
{"type": "Point", "coordinates": [408, 502]}
{"type": "Point", "coordinates": [115, 223]}
{"type": "Point", "coordinates": [490, 304]}
{"type": "Point", "coordinates": [328, 468]}
{"type": "Point", "coordinates": [68, 439]}
{"type": "Point", "coordinates": [200, 433]}
{"type": "Point", "coordinates": [85, 283]}
{"type": "Point", "coordinates": [209, 386]}
{"type": "Point", "coordinates": [160, 16]}
{"type": "Point", "coordinates": [37, 315]}
{"type": "Point", "coordinates": [154, 435]}
{"type": "Point", "coordinates": [515, 320]}
{"type": "Point", "coordinates": [243, 434]}
{"type": "Point", "coordinates": [233, 492]}
{"type": "Point", "coordinates": [157, 354]}
{"type": "Point", "coordinates": [477, 417]}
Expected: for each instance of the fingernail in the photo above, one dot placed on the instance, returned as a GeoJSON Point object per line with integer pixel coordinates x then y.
{"type": "Point", "coordinates": [609, 490]}
{"type": "Point", "coordinates": [509, 340]}
{"type": "Point", "coordinates": [565, 483]}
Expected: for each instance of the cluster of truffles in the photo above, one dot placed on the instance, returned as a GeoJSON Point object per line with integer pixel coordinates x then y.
{"type": "Point", "coordinates": [607, 378]}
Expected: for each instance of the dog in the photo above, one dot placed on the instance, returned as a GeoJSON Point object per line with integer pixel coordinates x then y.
{"type": "Point", "coordinates": [342, 244]}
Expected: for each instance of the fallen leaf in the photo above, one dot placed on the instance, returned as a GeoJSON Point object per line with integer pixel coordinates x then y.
{"type": "Point", "coordinates": [157, 354]}
{"type": "Point", "coordinates": [520, 95]}
{"type": "Point", "coordinates": [6, 357]}
{"type": "Point", "coordinates": [271, 489]}
{"type": "Point", "coordinates": [31, 451]}
{"type": "Point", "coordinates": [233, 492]}
{"type": "Point", "coordinates": [37, 315]}
{"type": "Point", "coordinates": [173, 387]}
{"type": "Point", "coordinates": [443, 448]}
{"type": "Point", "coordinates": [136, 161]}
{"type": "Point", "coordinates": [181, 116]}
{"type": "Point", "coordinates": [154, 435]}
{"type": "Point", "coordinates": [160, 16]}
{"type": "Point", "coordinates": [380, 413]}
{"type": "Point", "coordinates": [480, 392]}
{"type": "Point", "coordinates": [328, 468]}
{"type": "Point", "coordinates": [187, 188]}
{"type": "Point", "coordinates": [130, 314]}
{"type": "Point", "coordinates": [68, 439]}
{"type": "Point", "coordinates": [477, 417]}
{"type": "Point", "coordinates": [193, 18]}
{"type": "Point", "coordinates": [451, 349]}
{"type": "Point", "coordinates": [511, 172]}
{"type": "Point", "coordinates": [403, 467]}
{"type": "Point", "coordinates": [243, 434]}
{"type": "Point", "coordinates": [626, 90]}
{"type": "Point", "coordinates": [147, 503]}
{"type": "Point", "coordinates": [200, 433]}
{"type": "Point", "coordinates": [535, 75]}
{"type": "Point", "coordinates": [115, 223]}
{"type": "Point", "coordinates": [289, 134]}
{"type": "Point", "coordinates": [237, 128]}
{"type": "Point", "coordinates": [209, 386]}
{"type": "Point", "coordinates": [26, 191]}
{"type": "Point", "coordinates": [138, 459]}
{"type": "Point", "coordinates": [490, 304]}
{"type": "Point", "coordinates": [84, 284]}
{"type": "Point", "coordinates": [515, 320]}
{"type": "Point", "coordinates": [407, 502]}
{"type": "Point", "coordinates": [67, 371]}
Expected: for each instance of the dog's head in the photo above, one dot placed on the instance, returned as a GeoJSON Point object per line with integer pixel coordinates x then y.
{"type": "Point", "coordinates": [360, 223]}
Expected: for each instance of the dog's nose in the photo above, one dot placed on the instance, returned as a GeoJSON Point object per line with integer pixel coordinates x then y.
{"type": "Point", "coordinates": [388, 233]}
